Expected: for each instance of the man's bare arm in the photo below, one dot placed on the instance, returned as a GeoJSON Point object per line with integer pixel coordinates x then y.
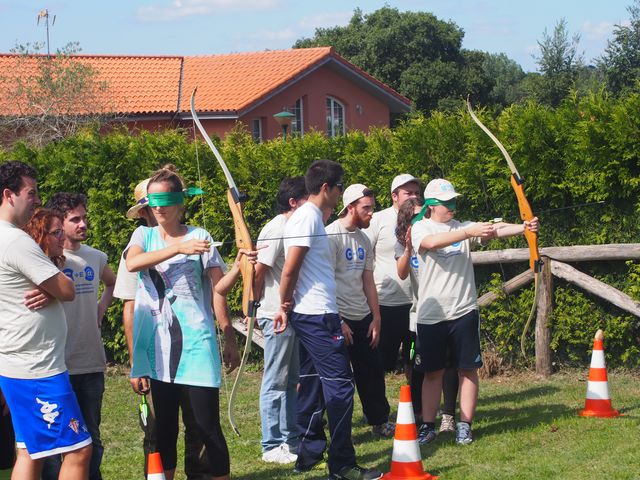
{"type": "Point", "coordinates": [60, 287]}
{"type": "Point", "coordinates": [127, 325]}
{"type": "Point", "coordinates": [109, 280]}
{"type": "Point", "coordinates": [288, 280]}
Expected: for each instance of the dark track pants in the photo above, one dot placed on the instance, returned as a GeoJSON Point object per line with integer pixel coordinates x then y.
{"type": "Point", "coordinates": [326, 384]}
{"type": "Point", "coordinates": [368, 372]}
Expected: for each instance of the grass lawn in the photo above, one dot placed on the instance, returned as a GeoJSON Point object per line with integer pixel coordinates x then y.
{"type": "Point", "coordinates": [524, 428]}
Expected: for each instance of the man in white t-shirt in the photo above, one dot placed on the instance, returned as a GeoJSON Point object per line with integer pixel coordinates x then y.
{"type": "Point", "coordinates": [447, 310]}
{"type": "Point", "coordinates": [394, 293]}
{"type": "Point", "coordinates": [308, 297]}
{"type": "Point", "coordinates": [358, 303]}
{"type": "Point", "coordinates": [281, 354]}
{"type": "Point", "coordinates": [87, 267]}
{"type": "Point", "coordinates": [196, 464]}
{"type": "Point", "coordinates": [33, 377]}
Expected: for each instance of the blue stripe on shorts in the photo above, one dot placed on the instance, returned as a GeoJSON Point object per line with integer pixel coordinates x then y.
{"type": "Point", "coordinates": [46, 415]}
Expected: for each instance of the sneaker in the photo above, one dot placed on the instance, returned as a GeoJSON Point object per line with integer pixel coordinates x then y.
{"type": "Point", "coordinates": [355, 473]}
{"type": "Point", "coordinates": [385, 430]}
{"type": "Point", "coordinates": [290, 449]}
{"type": "Point", "coordinates": [426, 434]}
{"type": "Point", "coordinates": [279, 454]}
{"type": "Point", "coordinates": [447, 424]}
{"type": "Point", "coordinates": [463, 435]}
{"type": "Point", "coordinates": [300, 468]}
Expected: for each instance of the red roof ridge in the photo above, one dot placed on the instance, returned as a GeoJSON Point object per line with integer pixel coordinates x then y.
{"type": "Point", "coordinates": [328, 50]}
{"type": "Point", "coordinates": [92, 55]}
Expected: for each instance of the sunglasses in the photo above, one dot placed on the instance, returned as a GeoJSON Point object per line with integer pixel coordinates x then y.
{"type": "Point", "coordinates": [58, 233]}
{"type": "Point", "coordinates": [340, 186]}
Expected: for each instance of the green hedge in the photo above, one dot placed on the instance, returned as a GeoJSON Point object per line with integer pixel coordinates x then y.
{"type": "Point", "coordinates": [585, 150]}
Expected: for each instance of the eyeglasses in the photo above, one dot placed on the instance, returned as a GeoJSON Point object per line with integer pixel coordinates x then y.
{"type": "Point", "coordinates": [58, 233]}
{"type": "Point", "coordinates": [340, 186]}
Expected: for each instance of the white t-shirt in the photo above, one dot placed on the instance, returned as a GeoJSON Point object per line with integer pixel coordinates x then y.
{"type": "Point", "coordinates": [382, 232]}
{"type": "Point", "coordinates": [31, 341]}
{"type": "Point", "coordinates": [315, 292]}
{"type": "Point", "coordinates": [414, 273]}
{"type": "Point", "coordinates": [126, 282]}
{"type": "Point", "coordinates": [84, 352]}
{"type": "Point", "coordinates": [273, 257]}
{"type": "Point", "coordinates": [352, 255]}
{"type": "Point", "coordinates": [447, 289]}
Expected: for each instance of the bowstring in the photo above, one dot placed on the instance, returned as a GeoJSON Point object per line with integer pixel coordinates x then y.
{"type": "Point", "coordinates": [204, 225]}
{"type": "Point", "coordinates": [507, 296]}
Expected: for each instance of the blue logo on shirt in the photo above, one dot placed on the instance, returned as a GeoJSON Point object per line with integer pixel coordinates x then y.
{"type": "Point", "coordinates": [69, 273]}
{"type": "Point", "coordinates": [361, 253]}
{"type": "Point", "coordinates": [414, 262]}
{"type": "Point", "coordinates": [89, 274]}
{"type": "Point", "coordinates": [348, 253]}
{"type": "Point", "coordinates": [457, 244]}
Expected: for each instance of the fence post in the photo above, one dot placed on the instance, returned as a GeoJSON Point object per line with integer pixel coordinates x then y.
{"type": "Point", "coordinates": [545, 308]}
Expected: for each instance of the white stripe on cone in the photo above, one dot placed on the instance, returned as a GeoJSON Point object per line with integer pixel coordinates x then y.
{"type": "Point", "coordinates": [598, 390]}
{"type": "Point", "coordinates": [597, 359]}
{"type": "Point", "coordinates": [406, 451]}
{"type": "Point", "coordinates": [405, 414]}
{"type": "Point", "coordinates": [156, 476]}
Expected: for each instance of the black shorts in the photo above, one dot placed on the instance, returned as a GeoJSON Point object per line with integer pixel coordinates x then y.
{"type": "Point", "coordinates": [455, 340]}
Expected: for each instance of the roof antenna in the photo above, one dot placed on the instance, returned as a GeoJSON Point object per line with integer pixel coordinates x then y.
{"type": "Point", "coordinates": [45, 14]}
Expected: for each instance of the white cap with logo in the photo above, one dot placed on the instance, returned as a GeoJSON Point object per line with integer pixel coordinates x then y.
{"type": "Point", "coordinates": [440, 189]}
{"type": "Point", "coordinates": [403, 179]}
{"type": "Point", "coordinates": [351, 194]}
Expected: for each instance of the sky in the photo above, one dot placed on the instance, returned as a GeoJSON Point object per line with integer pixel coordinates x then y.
{"type": "Point", "coordinates": [203, 27]}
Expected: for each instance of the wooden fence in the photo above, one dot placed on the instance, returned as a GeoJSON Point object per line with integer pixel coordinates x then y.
{"type": "Point", "coordinates": [554, 265]}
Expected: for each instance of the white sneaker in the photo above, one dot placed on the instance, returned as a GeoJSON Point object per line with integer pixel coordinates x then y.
{"type": "Point", "coordinates": [279, 454]}
{"type": "Point", "coordinates": [448, 423]}
{"type": "Point", "coordinates": [289, 449]}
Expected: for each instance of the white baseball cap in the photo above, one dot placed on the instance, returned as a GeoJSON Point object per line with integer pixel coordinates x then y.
{"type": "Point", "coordinates": [403, 179]}
{"type": "Point", "coordinates": [440, 189]}
{"type": "Point", "coordinates": [351, 194]}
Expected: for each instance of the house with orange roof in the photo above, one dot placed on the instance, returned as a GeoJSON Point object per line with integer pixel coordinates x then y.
{"type": "Point", "coordinates": [318, 88]}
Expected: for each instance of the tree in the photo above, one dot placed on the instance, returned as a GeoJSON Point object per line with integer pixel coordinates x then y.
{"type": "Point", "coordinates": [507, 76]}
{"type": "Point", "coordinates": [559, 64]}
{"type": "Point", "coordinates": [414, 52]}
{"type": "Point", "coordinates": [621, 60]}
{"type": "Point", "coordinates": [49, 97]}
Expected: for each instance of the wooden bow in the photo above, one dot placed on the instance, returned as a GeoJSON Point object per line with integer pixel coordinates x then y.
{"type": "Point", "coordinates": [526, 214]}
{"type": "Point", "coordinates": [243, 240]}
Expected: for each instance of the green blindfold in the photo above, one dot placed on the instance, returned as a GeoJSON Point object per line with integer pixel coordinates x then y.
{"type": "Point", "coordinates": [449, 204]}
{"type": "Point", "coordinates": [170, 199]}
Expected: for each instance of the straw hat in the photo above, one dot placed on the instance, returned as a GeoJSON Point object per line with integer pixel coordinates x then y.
{"type": "Point", "coordinates": [140, 195]}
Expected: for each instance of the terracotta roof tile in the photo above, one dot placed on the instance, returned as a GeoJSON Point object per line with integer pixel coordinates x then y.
{"type": "Point", "coordinates": [133, 84]}
{"type": "Point", "coordinates": [148, 85]}
{"type": "Point", "coordinates": [233, 82]}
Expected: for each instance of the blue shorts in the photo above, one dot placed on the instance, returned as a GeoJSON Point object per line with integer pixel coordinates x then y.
{"type": "Point", "coordinates": [46, 415]}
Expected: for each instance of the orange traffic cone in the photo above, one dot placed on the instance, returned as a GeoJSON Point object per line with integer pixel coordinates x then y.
{"type": "Point", "coordinates": [406, 463]}
{"type": "Point", "coordinates": [598, 402]}
{"type": "Point", "coordinates": [154, 467]}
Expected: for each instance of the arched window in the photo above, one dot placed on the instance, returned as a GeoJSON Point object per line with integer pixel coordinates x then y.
{"type": "Point", "coordinates": [335, 117]}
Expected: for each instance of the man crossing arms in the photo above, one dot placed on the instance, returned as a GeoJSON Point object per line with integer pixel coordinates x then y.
{"type": "Point", "coordinates": [33, 376]}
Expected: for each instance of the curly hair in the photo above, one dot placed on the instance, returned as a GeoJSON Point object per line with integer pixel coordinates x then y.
{"type": "Point", "coordinates": [38, 228]}
{"type": "Point", "coordinates": [11, 173]}
{"type": "Point", "coordinates": [63, 202]}
{"type": "Point", "coordinates": [406, 213]}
